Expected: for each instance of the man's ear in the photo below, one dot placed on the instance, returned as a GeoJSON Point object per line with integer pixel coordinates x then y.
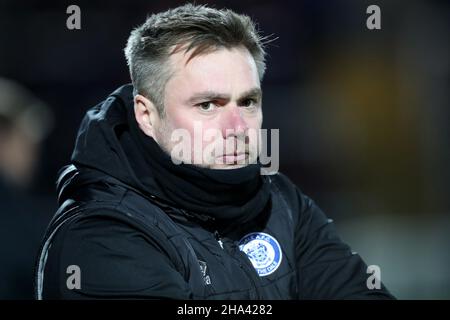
{"type": "Point", "coordinates": [146, 115]}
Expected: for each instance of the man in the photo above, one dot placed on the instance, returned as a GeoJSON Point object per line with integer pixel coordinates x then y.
{"type": "Point", "coordinates": [25, 122]}
{"type": "Point", "coordinates": [140, 217]}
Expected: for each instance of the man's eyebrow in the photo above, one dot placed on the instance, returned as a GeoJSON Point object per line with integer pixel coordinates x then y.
{"type": "Point", "coordinates": [252, 93]}
{"type": "Point", "coordinates": [212, 95]}
{"type": "Point", "coordinates": [208, 95]}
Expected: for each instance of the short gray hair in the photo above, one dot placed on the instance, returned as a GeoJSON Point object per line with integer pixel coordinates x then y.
{"type": "Point", "coordinates": [201, 28]}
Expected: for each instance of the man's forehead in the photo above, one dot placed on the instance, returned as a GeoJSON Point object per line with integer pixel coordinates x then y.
{"type": "Point", "coordinates": [182, 61]}
{"type": "Point", "coordinates": [222, 73]}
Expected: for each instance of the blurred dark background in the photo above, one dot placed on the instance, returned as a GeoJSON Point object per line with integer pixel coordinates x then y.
{"type": "Point", "coordinates": [363, 116]}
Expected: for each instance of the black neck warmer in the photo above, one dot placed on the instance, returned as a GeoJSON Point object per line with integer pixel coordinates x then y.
{"type": "Point", "coordinates": [236, 195]}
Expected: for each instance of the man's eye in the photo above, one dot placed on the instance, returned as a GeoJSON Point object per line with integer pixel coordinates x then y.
{"type": "Point", "coordinates": [249, 102]}
{"type": "Point", "coordinates": [206, 106]}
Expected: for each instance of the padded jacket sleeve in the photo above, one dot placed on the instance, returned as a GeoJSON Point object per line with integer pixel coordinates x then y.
{"type": "Point", "coordinates": [115, 261]}
{"type": "Point", "coordinates": [326, 266]}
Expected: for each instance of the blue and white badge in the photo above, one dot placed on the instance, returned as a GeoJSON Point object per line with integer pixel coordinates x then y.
{"type": "Point", "coordinates": [263, 250]}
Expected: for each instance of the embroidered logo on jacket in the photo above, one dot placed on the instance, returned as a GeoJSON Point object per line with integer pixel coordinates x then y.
{"type": "Point", "coordinates": [263, 250]}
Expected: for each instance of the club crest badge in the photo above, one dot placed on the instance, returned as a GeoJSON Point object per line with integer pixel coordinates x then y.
{"type": "Point", "coordinates": [263, 250]}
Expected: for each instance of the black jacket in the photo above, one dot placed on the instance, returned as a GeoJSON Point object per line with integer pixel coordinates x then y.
{"type": "Point", "coordinates": [130, 243]}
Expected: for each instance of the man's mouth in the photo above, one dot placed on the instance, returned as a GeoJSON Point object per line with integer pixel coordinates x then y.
{"type": "Point", "coordinates": [233, 158]}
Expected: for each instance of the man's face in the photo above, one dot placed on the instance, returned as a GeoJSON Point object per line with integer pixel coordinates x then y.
{"type": "Point", "coordinates": [216, 99]}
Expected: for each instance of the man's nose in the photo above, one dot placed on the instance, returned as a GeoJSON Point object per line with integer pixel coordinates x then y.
{"type": "Point", "coordinates": [235, 123]}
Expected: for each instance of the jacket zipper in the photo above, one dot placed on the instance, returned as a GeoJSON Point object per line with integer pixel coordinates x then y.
{"type": "Point", "coordinates": [249, 273]}
{"type": "Point", "coordinates": [219, 240]}
{"type": "Point", "coordinates": [241, 265]}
